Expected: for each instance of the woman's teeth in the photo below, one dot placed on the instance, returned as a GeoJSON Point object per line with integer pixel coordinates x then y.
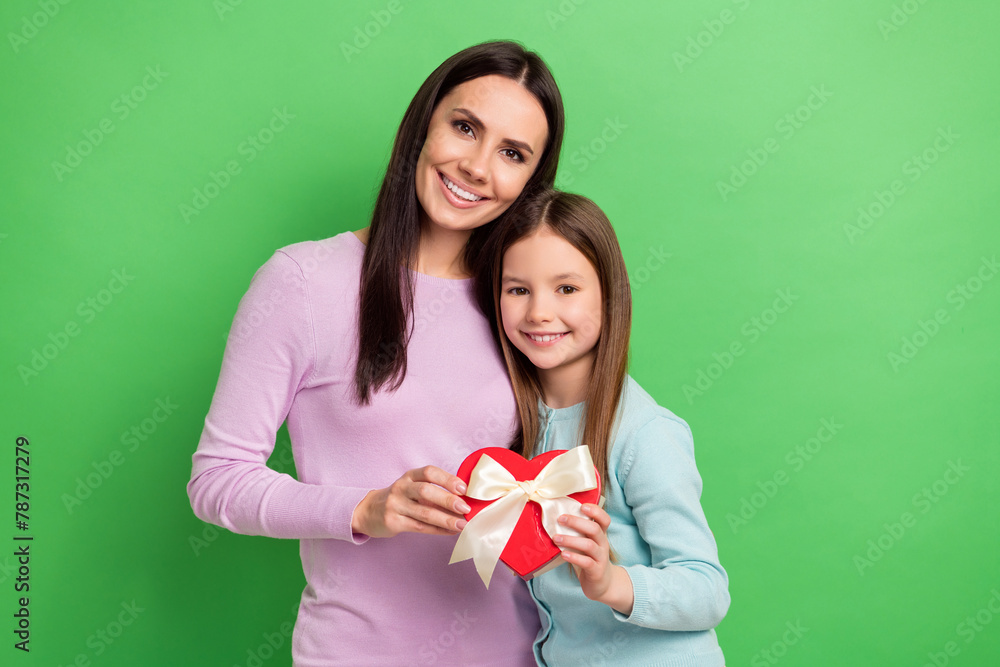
{"type": "Point", "coordinates": [546, 338]}
{"type": "Point", "coordinates": [468, 196]}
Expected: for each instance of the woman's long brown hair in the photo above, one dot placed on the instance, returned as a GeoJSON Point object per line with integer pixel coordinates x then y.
{"type": "Point", "coordinates": [581, 223]}
{"type": "Point", "coordinates": [386, 290]}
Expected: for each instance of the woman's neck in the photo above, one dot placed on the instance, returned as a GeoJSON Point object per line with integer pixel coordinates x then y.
{"type": "Point", "coordinates": [438, 254]}
{"type": "Point", "coordinates": [567, 385]}
{"type": "Point", "coordinates": [441, 252]}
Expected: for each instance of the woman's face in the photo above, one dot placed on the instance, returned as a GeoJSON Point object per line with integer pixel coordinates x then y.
{"type": "Point", "coordinates": [484, 141]}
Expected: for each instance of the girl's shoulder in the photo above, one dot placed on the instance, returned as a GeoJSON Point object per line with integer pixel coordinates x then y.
{"type": "Point", "coordinates": [639, 409]}
{"type": "Point", "coordinates": [641, 420]}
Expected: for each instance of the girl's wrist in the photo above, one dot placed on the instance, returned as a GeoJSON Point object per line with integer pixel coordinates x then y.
{"type": "Point", "coordinates": [619, 595]}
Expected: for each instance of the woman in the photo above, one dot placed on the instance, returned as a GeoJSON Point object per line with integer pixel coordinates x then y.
{"type": "Point", "coordinates": [388, 385]}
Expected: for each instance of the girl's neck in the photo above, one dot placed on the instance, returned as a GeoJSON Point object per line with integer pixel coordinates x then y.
{"type": "Point", "coordinates": [567, 385]}
{"type": "Point", "coordinates": [441, 252]}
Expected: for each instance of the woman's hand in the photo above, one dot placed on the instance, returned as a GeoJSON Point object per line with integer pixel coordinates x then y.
{"type": "Point", "coordinates": [590, 557]}
{"type": "Point", "coordinates": [424, 500]}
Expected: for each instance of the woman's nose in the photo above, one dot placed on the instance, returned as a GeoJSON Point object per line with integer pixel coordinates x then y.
{"type": "Point", "coordinates": [476, 164]}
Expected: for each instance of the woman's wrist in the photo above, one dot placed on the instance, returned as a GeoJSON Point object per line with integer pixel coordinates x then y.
{"type": "Point", "coordinates": [358, 525]}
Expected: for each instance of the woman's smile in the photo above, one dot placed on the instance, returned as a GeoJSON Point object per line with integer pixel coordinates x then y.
{"type": "Point", "coordinates": [459, 196]}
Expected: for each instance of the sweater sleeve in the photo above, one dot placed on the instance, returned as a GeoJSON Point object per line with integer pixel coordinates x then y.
{"type": "Point", "coordinates": [270, 355]}
{"type": "Point", "coordinates": [685, 588]}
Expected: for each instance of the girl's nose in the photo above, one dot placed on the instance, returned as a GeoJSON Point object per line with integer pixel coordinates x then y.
{"type": "Point", "coordinates": [539, 310]}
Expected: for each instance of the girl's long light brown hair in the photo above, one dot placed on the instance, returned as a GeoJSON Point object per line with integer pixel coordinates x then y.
{"type": "Point", "coordinates": [583, 225]}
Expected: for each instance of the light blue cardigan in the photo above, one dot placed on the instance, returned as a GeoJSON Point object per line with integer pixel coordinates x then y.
{"type": "Point", "coordinates": [660, 535]}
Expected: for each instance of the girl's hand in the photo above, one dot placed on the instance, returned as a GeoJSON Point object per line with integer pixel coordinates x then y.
{"type": "Point", "coordinates": [590, 557]}
{"type": "Point", "coordinates": [424, 500]}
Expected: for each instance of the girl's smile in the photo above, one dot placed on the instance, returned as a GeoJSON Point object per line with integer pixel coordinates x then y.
{"type": "Point", "coordinates": [543, 339]}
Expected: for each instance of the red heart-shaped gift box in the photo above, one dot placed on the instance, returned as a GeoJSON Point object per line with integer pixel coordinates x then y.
{"type": "Point", "coordinates": [529, 549]}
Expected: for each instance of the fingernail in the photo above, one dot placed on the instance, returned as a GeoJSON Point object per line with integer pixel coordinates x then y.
{"type": "Point", "coordinates": [460, 524]}
{"type": "Point", "coordinates": [558, 539]}
{"type": "Point", "coordinates": [463, 508]}
{"type": "Point", "coordinates": [563, 518]}
{"type": "Point", "coordinates": [462, 488]}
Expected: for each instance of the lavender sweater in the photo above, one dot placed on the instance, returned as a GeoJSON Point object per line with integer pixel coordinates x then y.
{"type": "Point", "coordinates": [291, 355]}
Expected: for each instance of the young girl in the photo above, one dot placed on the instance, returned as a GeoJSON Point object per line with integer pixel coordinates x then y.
{"type": "Point", "coordinates": [563, 307]}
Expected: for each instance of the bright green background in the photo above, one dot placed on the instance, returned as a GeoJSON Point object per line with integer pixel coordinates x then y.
{"type": "Point", "coordinates": [681, 129]}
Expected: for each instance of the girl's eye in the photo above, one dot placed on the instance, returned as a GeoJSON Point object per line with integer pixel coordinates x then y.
{"type": "Point", "coordinates": [566, 289]}
{"type": "Point", "coordinates": [512, 154]}
{"type": "Point", "coordinates": [517, 291]}
{"type": "Point", "coordinates": [463, 127]}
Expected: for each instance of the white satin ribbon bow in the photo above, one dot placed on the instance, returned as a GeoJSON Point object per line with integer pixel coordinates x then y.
{"type": "Point", "coordinates": [483, 539]}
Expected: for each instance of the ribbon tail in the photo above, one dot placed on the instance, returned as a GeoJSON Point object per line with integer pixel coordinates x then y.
{"type": "Point", "coordinates": [483, 539]}
{"type": "Point", "coordinates": [553, 508]}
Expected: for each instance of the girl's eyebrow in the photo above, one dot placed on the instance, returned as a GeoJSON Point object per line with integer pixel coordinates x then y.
{"type": "Point", "coordinates": [561, 276]}
{"type": "Point", "coordinates": [475, 119]}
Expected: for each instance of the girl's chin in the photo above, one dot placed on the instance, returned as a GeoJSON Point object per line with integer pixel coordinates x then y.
{"type": "Point", "coordinates": [542, 362]}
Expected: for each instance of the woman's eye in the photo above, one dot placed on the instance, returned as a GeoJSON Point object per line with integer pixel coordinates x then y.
{"type": "Point", "coordinates": [463, 127]}
{"type": "Point", "coordinates": [566, 289]}
{"type": "Point", "coordinates": [513, 155]}
{"type": "Point", "coordinates": [517, 291]}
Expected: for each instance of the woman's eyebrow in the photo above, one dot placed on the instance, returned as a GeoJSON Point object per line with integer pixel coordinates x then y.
{"type": "Point", "coordinates": [510, 279]}
{"type": "Point", "coordinates": [475, 119]}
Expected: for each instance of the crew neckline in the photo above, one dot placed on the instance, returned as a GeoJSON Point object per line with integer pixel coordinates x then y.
{"type": "Point", "coordinates": [561, 414]}
{"type": "Point", "coordinates": [423, 277]}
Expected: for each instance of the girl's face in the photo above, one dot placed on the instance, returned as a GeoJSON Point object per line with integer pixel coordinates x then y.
{"type": "Point", "coordinates": [550, 302]}
{"type": "Point", "coordinates": [484, 141]}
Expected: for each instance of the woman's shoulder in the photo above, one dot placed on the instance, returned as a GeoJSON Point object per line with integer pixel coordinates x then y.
{"type": "Point", "coordinates": [323, 267]}
{"type": "Point", "coordinates": [343, 250]}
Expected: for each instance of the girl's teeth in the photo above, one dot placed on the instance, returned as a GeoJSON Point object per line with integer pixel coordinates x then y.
{"type": "Point", "coordinates": [468, 196]}
{"type": "Point", "coordinates": [544, 339]}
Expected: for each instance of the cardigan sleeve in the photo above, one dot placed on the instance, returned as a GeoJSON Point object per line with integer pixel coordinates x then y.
{"type": "Point", "coordinates": [270, 355]}
{"type": "Point", "coordinates": [684, 588]}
